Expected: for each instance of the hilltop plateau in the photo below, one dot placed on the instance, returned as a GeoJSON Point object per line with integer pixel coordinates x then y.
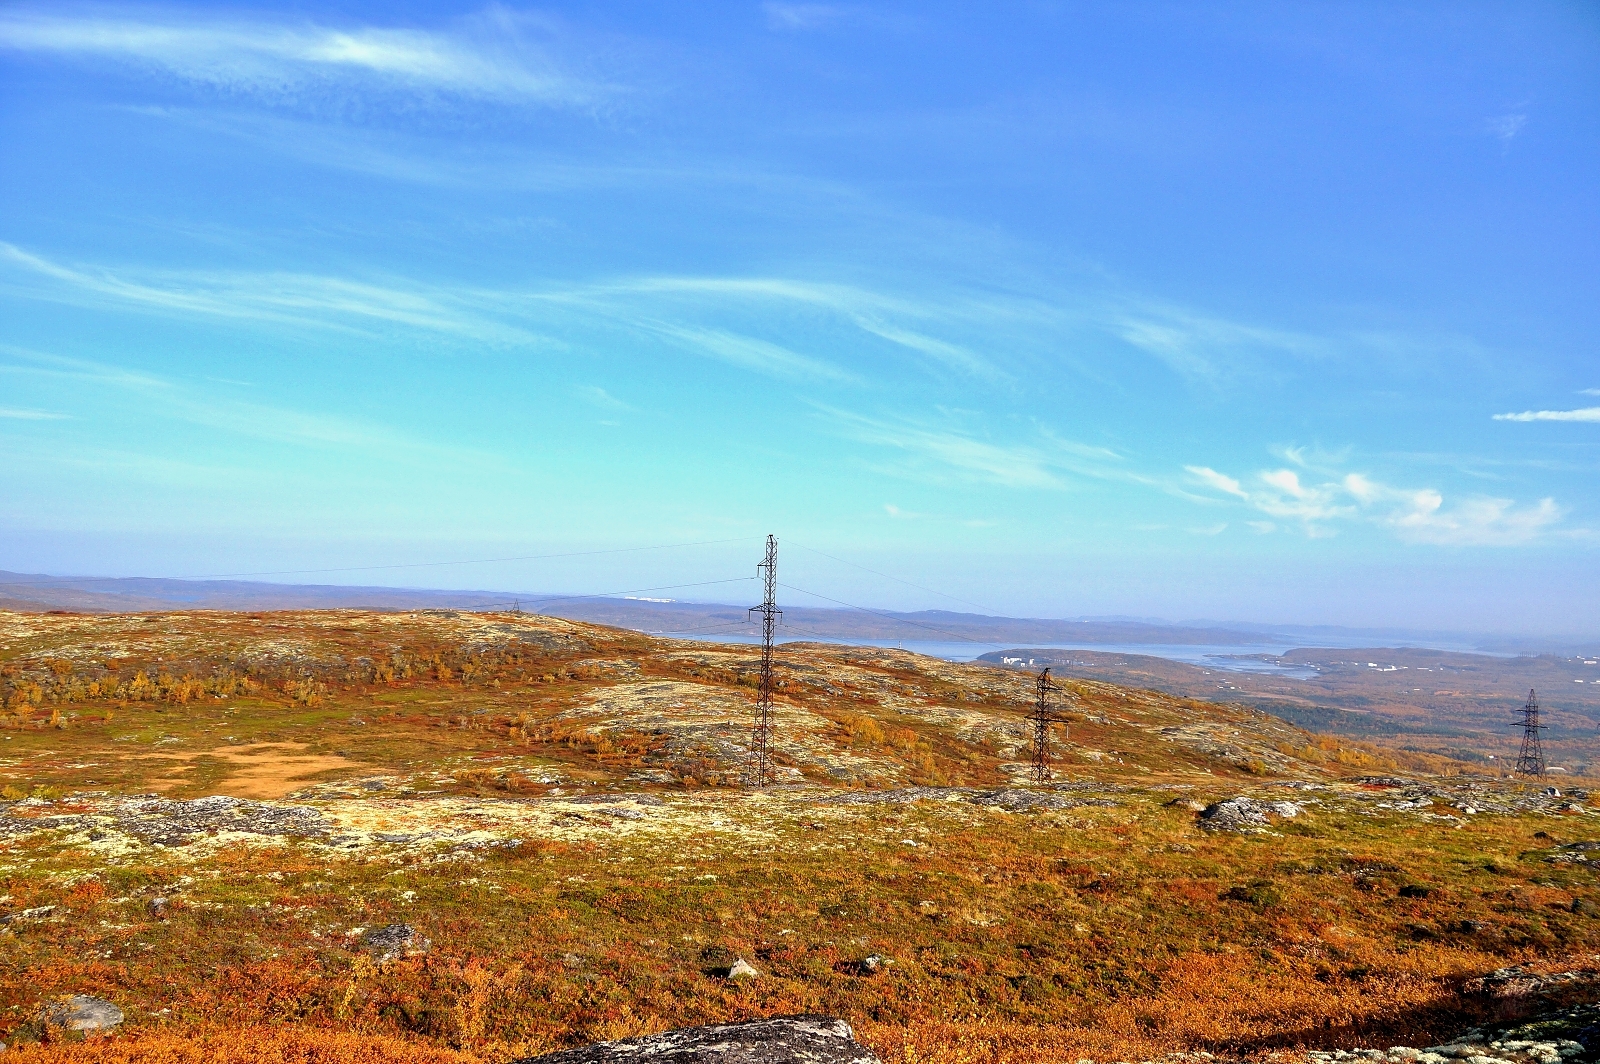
{"type": "Point", "coordinates": [451, 836]}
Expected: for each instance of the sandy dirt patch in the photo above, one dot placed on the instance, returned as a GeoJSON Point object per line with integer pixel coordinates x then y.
{"type": "Point", "coordinates": [263, 770]}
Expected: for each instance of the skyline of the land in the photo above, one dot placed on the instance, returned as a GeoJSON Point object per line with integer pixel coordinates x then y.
{"type": "Point", "coordinates": [706, 617]}
{"type": "Point", "coordinates": [1217, 310]}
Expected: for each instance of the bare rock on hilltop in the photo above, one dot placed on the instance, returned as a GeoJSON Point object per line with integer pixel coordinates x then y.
{"type": "Point", "coordinates": [80, 1012]}
{"type": "Point", "coordinates": [396, 940]}
{"type": "Point", "coordinates": [1245, 814]}
{"type": "Point", "coordinates": [790, 1040]}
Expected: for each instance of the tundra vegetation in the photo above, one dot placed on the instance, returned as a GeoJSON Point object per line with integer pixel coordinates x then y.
{"type": "Point", "coordinates": [456, 838]}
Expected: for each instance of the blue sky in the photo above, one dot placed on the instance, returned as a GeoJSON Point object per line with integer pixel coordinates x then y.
{"type": "Point", "coordinates": [1283, 313]}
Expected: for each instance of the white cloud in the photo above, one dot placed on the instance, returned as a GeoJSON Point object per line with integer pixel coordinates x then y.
{"type": "Point", "coordinates": [1590, 413]}
{"type": "Point", "coordinates": [32, 415]}
{"type": "Point", "coordinates": [790, 16]}
{"type": "Point", "coordinates": [284, 297]}
{"type": "Point", "coordinates": [886, 317]}
{"type": "Point", "coordinates": [1212, 479]}
{"type": "Point", "coordinates": [175, 401]}
{"type": "Point", "coordinates": [749, 352]}
{"type": "Point", "coordinates": [1476, 522]}
{"type": "Point", "coordinates": [1417, 515]}
{"type": "Point", "coordinates": [1590, 391]}
{"type": "Point", "coordinates": [496, 55]}
{"type": "Point", "coordinates": [601, 398]}
{"type": "Point", "coordinates": [1202, 347]}
{"type": "Point", "coordinates": [1012, 466]}
{"type": "Point", "coordinates": [902, 515]}
{"type": "Point", "coordinates": [1506, 127]}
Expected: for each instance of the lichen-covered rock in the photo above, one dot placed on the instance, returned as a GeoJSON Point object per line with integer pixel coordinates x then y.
{"type": "Point", "coordinates": [1244, 814]}
{"type": "Point", "coordinates": [80, 1012]}
{"type": "Point", "coordinates": [396, 940]}
{"type": "Point", "coordinates": [790, 1040]}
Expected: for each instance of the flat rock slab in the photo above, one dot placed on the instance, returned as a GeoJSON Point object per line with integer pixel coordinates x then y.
{"type": "Point", "coordinates": [166, 822]}
{"type": "Point", "coordinates": [80, 1012]}
{"type": "Point", "coordinates": [791, 1040]}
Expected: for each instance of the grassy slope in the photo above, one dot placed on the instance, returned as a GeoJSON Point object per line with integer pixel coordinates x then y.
{"type": "Point", "coordinates": [1111, 930]}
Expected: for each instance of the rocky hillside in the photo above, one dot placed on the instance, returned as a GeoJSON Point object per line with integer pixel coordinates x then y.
{"type": "Point", "coordinates": [261, 705]}
{"type": "Point", "coordinates": [469, 838]}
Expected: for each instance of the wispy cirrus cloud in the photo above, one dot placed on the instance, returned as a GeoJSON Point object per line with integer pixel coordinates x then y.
{"type": "Point", "coordinates": [940, 452]}
{"type": "Point", "coordinates": [1319, 500]}
{"type": "Point", "coordinates": [1588, 413]}
{"type": "Point", "coordinates": [159, 397]}
{"type": "Point", "coordinates": [598, 396]}
{"type": "Point", "coordinates": [31, 415]}
{"type": "Point", "coordinates": [749, 352]}
{"type": "Point", "coordinates": [768, 324]}
{"type": "Point", "coordinates": [1204, 347]}
{"type": "Point", "coordinates": [495, 55]}
{"type": "Point", "coordinates": [275, 296]}
{"type": "Point", "coordinates": [1505, 128]}
{"type": "Point", "coordinates": [952, 452]}
{"type": "Point", "coordinates": [716, 317]}
{"type": "Point", "coordinates": [801, 16]}
{"type": "Point", "coordinates": [908, 324]}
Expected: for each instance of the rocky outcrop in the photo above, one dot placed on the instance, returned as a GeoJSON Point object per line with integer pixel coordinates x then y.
{"type": "Point", "coordinates": [394, 941]}
{"type": "Point", "coordinates": [166, 822]}
{"type": "Point", "coordinates": [80, 1012]}
{"type": "Point", "coordinates": [1012, 799]}
{"type": "Point", "coordinates": [1245, 814]}
{"type": "Point", "coordinates": [791, 1040]}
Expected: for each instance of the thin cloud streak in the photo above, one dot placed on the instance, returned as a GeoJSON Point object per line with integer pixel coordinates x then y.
{"type": "Point", "coordinates": [1589, 413]}
{"type": "Point", "coordinates": [282, 297]}
{"type": "Point", "coordinates": [260, 421]}
{"type": "Point", "coordinates": [487, 57]}
{"type": "Point", "coordinates": [748, 352]}
{"type": "Point", "coordinates": [938, 452]}
{"type": "Point", "coordinates": [32, 415]}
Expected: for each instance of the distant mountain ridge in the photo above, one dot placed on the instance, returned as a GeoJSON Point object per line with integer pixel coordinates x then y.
{"type": "Point", "coordinates": [37, 593]}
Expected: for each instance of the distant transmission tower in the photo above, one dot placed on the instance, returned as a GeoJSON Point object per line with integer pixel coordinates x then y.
{"type": "Point", "coordinates": [1042, 718]}
{"type": "Point", "coordinates": [1530, 762]}
{"type": "Point", "coordinates": [761, 735]}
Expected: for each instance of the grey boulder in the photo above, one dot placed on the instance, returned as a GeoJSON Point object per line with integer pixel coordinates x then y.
{"type": "Point", "coordinates": [80, 1012]}
{"type": "Point", "coordinates": [790, 1040]}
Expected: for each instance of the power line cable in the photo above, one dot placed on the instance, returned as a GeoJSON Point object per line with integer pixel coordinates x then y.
{"type": "Point", "coordinates": [539, 602]}
{"type": "Point", "coordinates": [40, 581]}
{"type": "Point", "coordinates": [471, 561]}
{"type": "Point", "coordinates": [896, 620]}
{"type": "Point", "coordinates": [896, 579]}
{"type": "Point", "coordinates": [701, 628]}
{"type": "Point", "coordinates": [634, 591]}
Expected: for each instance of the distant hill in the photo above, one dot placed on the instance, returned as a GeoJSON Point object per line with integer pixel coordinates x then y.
{"type": "Point", "coordinates": [37, 593]}
{"type": "Point", "coordinates": [1461, 706]}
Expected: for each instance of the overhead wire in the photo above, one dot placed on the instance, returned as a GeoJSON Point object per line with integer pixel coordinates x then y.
{"type": "Point", "coordinates": [896, 620]}
{"type": "Point", "coordinates": [472, 561]}
{"type": "Point", "coordinates": [543, 602]}
{"type": "Point", "coordinates": [896, 579]}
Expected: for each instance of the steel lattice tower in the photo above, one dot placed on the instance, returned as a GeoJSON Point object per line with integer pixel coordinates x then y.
{"type": "Point", "coordinates": [1530, 761]}
{"type": "Point", "coordinates": [761, 735]}
{"type": "Point", "coordinates": [1042, 718]}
